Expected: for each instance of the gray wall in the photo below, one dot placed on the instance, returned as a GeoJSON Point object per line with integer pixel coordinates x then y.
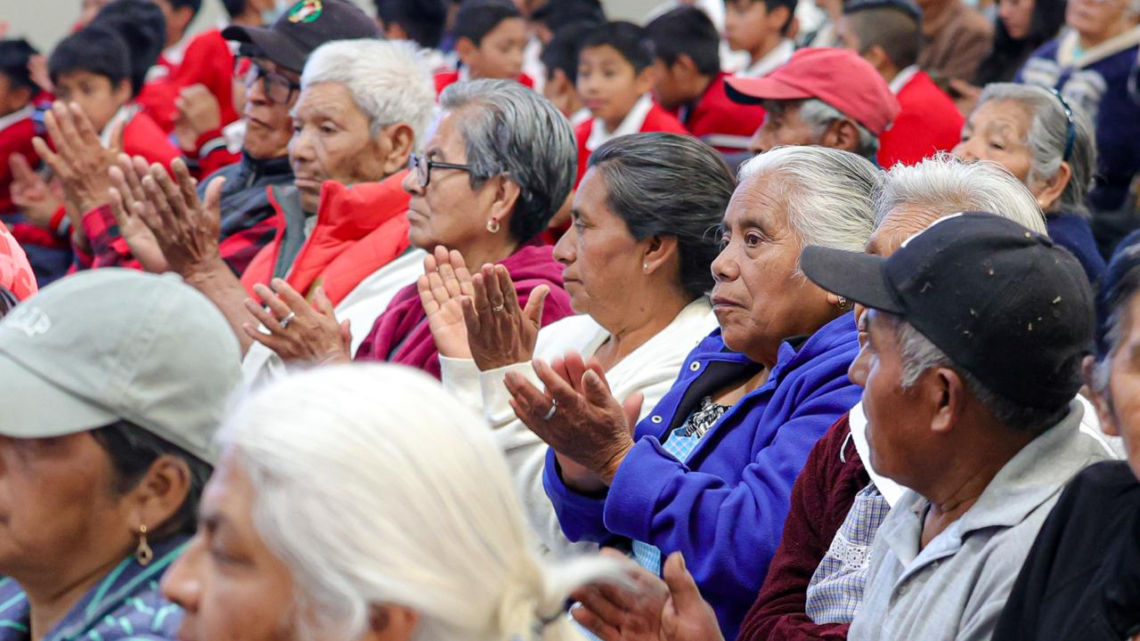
{"type": "Point", "coordinates": [45, 21]}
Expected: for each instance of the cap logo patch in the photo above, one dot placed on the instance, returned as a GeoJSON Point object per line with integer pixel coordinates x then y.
{"type": "Point", "coordinates": [28, 319]}
{"type": "Point", "coordinates": [306, 11]}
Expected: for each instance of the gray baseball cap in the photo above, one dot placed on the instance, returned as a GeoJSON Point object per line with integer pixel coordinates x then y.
{"type": "Point", "coordinates": [115, 344]}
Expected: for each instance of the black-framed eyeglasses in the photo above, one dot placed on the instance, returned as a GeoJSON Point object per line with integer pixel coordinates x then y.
{"type": "Point", "coordinates": [1071, 134]}
{"type": "Point", "coordinates": [276, 85]}
{"type": "Point", "coordinates": [423, 166]}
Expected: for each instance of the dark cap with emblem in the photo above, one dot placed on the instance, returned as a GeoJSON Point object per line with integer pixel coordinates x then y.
{"type": "Point", "coordinates": [1003, 303]}
{"type": "Point", "coordinates": [304, 27]}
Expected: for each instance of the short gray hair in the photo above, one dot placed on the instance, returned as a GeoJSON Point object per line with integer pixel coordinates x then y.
{"type": "Point", "coordinates": [511, 130]}
{"type": "Point", "coordinates": [1046, 138]}
{"type": "Point", "coordinates": [918, 355]}
{"type": "Point", "coordinates": [819, 115]}
{"type": "Point", "coordinates": [945, 185]}
{"type": "Point", "coordinates": [390, 81]}
{"type": "Point", "coordinates": [828, 193]}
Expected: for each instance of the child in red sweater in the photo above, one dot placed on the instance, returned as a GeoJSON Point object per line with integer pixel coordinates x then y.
{"type": "Point", "coordinates": [490, 36]}
{"type": "Point", "coordinates": [17, 127]}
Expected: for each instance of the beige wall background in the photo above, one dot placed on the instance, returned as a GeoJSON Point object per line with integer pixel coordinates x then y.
{"type": "Point", "coordinates": [46, 21]}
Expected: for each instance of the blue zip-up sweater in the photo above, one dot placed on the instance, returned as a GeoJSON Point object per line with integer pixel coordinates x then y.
{"type": "Point", "coordinates": [724, 509]}
{"type": "Point", "coordinates": [125, 606]}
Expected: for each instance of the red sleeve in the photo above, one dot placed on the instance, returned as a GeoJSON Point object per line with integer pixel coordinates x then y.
{"type": "Point", "coordinates": [143, 137]}
{"type": "Point", "coordinates": [821, 497]}
{"type": "Point", "coordinates": [210, 154]}
{"type": "Point", "coordinates": [208, 61]}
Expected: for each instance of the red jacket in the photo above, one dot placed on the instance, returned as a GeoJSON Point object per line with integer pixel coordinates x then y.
{"type": "Point", "coordinates": [656, 120]}
{"type": "Point", "coordinates": [15, 138]}
{"type": "Point", "coordinates": [208, 61]}
{"type": "Point", "coordinates": [359, 230]}
{"type": "Point", "coordinates": [714, 118]}
{"type": "Point", "coordinates": [928, 122]}
{"type": "Point", "coordinates": [448, 78]}
{"type": "Point", "coordinates": [143, 137]}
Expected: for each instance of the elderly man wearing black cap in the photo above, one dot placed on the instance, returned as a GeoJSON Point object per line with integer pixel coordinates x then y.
{"type": "Point", "coordinates": [976, 331]}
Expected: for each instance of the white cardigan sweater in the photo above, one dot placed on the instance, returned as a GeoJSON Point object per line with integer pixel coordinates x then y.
{"type": "Point", "coordinates": [651, 369]}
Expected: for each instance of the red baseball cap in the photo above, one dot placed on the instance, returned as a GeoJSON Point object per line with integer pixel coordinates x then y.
{"type": "Point", "coordinates": [838, 77]}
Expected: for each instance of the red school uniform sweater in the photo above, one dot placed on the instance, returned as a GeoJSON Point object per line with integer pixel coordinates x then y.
{"type": "Point", "coordinates": [207, 60]}
{"type": "Point", "coordinates": [928, 122]}
{"type": "Point", "coordinates": [656, 120]}
{"type": "Point", "coordinates": [725, 125]}
{"type": "Point", "coordinates": [17, 130]}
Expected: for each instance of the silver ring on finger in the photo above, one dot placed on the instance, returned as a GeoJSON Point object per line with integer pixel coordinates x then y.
{"type": "Point", "coordinates": [284, 322]}
{"type": "Point", "coordinates": [498, 308]}
{"type": "Point", "coordinates": [553, 408]}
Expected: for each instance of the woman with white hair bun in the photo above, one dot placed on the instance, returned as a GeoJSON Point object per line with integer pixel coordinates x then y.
{"type": "Point", "coordinates": [395, 520]}
{"type": "Point", "coordinates": [1049, 146]}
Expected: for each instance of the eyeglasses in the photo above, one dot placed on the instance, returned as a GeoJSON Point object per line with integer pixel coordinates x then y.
{"type": "Point", "coordinates": [277, 87]}
{"type": "Point", "coordinates": [423, 166]}
{"type": "Point", "coordinates": [1071, 134]}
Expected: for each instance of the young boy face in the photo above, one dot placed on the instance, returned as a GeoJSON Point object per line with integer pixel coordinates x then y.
{"type": "Point", "coordinates": [96, 95]}
{"type": "Point", "coordinates": [500, 54]}
{"type": "Point", "coordinates": [747, 24]}
{"type": "Point", "coordinates": [12, 99]}
{"type": "Point", "coordinates": [608, 83]}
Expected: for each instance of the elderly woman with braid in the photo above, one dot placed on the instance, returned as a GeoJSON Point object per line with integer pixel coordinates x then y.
{"type": "Point", "coordinates": [636, 266]}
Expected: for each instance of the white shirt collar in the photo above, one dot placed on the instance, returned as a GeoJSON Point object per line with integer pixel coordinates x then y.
{"type": "Point", "coordinates": [632, 124]}
{"type": "Point", "coordinates": [123, 115]}
{"type": "Point", "coordinates": [771, 60]}
{"type": "Point", "coordinates": [17, 116]}
{"type": "Point", "coordinates": [579, 117]}
{"type": "Point", "coordinates": [903, 78]}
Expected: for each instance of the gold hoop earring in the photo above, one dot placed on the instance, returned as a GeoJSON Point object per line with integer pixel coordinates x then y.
{"type": "Point", "coordinates": [143, 554]}
{"type": "Point", "coordinates": [493, 226]}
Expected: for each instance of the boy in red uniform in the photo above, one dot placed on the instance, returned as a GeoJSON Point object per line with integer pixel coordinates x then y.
{"type": "Point", "coordinates": [17, 127]}
{"type": "Point", "coordinates": [615, 76]}
{"type": "Point", "coordinates": [490, 36]}
{"type": "Point", "coordinates": [887, 33]}
{"type": "Point", "coordinates": [760, 29]}
{"type": "Point", "coordinates": [690, 83]}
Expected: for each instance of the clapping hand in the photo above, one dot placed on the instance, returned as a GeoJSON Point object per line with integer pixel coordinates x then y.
{"type": "Point", "coordinates": [185, 228]}
{"type": "Point", "coordinates": [198, 113]}
{"type": "Point", "coordinates": [443, 287]}
{"type": "Point", "coordinates": [500, 331]}
{"type": "Point", "coordinates": [127, 197]}
{"type": "Point", "coordinates": [31, 193]}
{"type": "Point", "coordinates": [298, 331]}
{"type": "Point", "coordinates": [82, 162]}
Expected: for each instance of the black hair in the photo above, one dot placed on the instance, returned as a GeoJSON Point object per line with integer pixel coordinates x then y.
{"type": "Point", "coordinates": [669, 185]}
{"type": "Point", "coordinates": [133, 450]}
{"type": "Point", "coordinates": [630, 40]}
{"type": "Point", "coordinates": [94, 50]}
{"type": "Point", "coordinates": [477, 18]}
{"type": "Point", "coordinates": [893, 25]}
{"type": "Point", "coordinates": [561, 53]}
{"type": "Point", "coordinates": [1008, 55]}
{"type": "Point", "coordinates": [772, 5]}
{"type": "Point", "coordinates": [14, 58]}
{"type": "Point", "coordinates": [8, 301]}
{"type": "Point", "coordinates": [422, 20]}
{"type": "Point", "coordinates": [194, 5]}
{"type": "Point", "coordinates": [686, 30]}
{"type": "Point", "coordinates": [142, 28]}
{"type": "Point", "coordinates": [559, 14]}
{"type": "Point", "coordinates": [234, 7]}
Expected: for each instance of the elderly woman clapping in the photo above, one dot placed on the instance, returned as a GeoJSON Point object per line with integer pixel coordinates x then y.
{"type": "Point", "coordinates": [636, 265]}
{"type": "Point", "coordinates": [1048, 145]}
{"type": "Point", "coordinates": [394, 521]}
{"type": "Point", "coordinates": [710, 470]}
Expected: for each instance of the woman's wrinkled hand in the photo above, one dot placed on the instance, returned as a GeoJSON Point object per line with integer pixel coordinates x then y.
{"type": "Point", "coordinates": [443, 287]}
{"type": "Point", "coordinates": [500, 331]}
{"type": "Point", "coordinates": [298, 331]}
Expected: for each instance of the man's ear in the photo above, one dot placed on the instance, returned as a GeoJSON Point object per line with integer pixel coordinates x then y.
{"type": "Point", "coordinates": [644, 80]}
{"type": "Point", "coordinates": [780, 19]}
{"type": "Point", "coordinates": [465, 48]}
{"type": "Point", "coordinates": [684, 66]}
{"type": "Point", "coordinates": [841, 134]}
{"type": "Point", "coordinates": [946, 391]}
{"type": "Point", "coordinates": [1102, 401]}
{"type": "Point", "coordinates": [396, 143]}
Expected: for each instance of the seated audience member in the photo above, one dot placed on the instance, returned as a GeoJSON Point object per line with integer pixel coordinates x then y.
{"type": "Point", "coordinates": [560, 59]}
{"type": "Point", "coordinates": [17, 126]}
{"type": "Point", "coordinates": [615, 77]}
{"type": "Point", "coordinates": [1047, 145]}
{"type": "Point", "coordinates": [484, 187]}
{"type": "Point", "coordinates": [886, 34]}
{"type": "Point", "coordinates": [690, 84]}
{"type": "Point", "coordinates": [826, 97]}
{"type": "Point", "coordinates": [636, 266]}
{"type": "Point", "coordinates": [710, 470]}
{"type": "Point", "coordinates": [955, 39]}
{"type": "Point", "coordinates": [1090, 63]}
{"type": "Point", "coordinates": [411, 463]}
{"type": "Point", "coordinates": [420, 21]}
{"type": "Point", "coordinates": [556, 15]}
{"type": "Point", "coordinates": [114, 383]}
{"type": "Point", "coordinates": [1079, 580]}
{"type": "Point", "coordinates": [490, 36]}
{"type": "Point", "coordinates": [760, 29]}
{"type": "Point", "coordinates": [364, 104]}
{"type": "Point", "coordinates": [984, 438]}
{"type": "Point", "coordinates": [16, 274]}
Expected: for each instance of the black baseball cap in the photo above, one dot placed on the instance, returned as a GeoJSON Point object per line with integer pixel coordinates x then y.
{"type": "Point", "coordinates": [304, 27]}
{"type": "Point", "coordinates": [1005, 304]}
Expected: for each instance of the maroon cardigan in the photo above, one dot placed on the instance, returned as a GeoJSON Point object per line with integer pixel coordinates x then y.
{"type": "Point", "coordinates": [821, 497]}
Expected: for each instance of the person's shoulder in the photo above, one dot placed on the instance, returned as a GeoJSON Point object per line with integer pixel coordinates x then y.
{"type": "Point", "coordinates": [659, 120]}
{"type": "Point", "coordinates": [1105, 481]}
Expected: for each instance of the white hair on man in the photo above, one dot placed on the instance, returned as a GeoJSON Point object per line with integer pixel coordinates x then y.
{"type": "Point", "coordinates": [945, 185]}
{"type": "Point", "coordinates": [389, 80]}
{"type": "Point", "coordinates": [397, 498]}
{"type": "Point", "coordinates": [827, 191]}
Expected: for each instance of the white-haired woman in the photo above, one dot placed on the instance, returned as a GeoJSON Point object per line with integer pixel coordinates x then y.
{"type": "Point", "coordinates": [709, 471]}
{"type": "Point", "coordinates": [1048, 145]}
{"type": "Point", "coordinates": [396, 520]}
